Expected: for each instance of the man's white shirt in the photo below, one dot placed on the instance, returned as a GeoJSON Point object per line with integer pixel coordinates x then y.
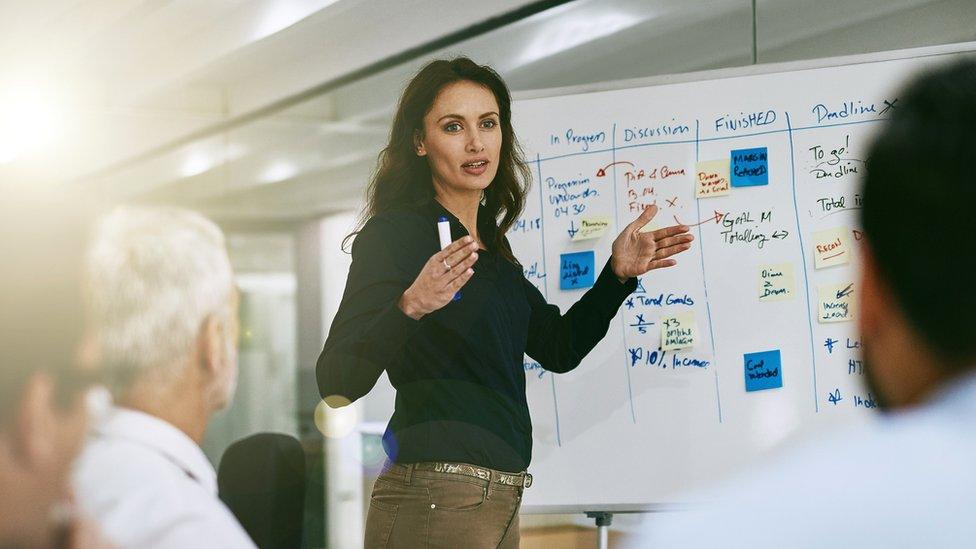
{"type": "Point", "coordinates": [905, 480]}
{"type": "Point", "coordinates": [149, 485]}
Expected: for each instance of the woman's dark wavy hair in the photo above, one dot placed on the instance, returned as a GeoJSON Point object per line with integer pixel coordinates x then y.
{"type": "Point", "coordinates": [403, 179]}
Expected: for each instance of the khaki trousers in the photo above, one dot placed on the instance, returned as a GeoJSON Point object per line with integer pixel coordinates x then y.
{"type": "Point", "coordinates": [428, 510]}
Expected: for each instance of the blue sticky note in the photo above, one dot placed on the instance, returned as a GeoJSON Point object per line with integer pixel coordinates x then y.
{"type": "Point", "coordinates": [763, 370]}
{"type": "Point", "coordinates": [750, 167]}
{"type": "Point", "coordinates": [576, 270]}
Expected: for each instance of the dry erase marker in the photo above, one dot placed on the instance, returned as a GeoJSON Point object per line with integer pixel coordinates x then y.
{"type": "Point", "coordinates": [444, 233]}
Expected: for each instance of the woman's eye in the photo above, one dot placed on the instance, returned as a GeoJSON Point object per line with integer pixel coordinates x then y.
{"type": "Point", "coordinates": [452, 127]}
{"type": "Point", "coordinates": [488, 124]}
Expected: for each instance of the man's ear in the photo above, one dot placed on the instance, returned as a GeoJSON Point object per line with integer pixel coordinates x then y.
{"type": "Point", "coordinates": [418, 143]}
{"type": "Point", "coordinates": [873, 307]}
{"type": "Point", "coordinates": [35, 423]}
{"type": "Point", "coordinates": [211, 347]}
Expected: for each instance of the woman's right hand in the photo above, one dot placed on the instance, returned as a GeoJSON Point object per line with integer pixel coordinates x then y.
{"type": "Point", "coordinates": [436, 285]}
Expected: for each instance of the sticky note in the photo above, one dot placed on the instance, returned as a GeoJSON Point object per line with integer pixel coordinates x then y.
{"type": "Point", "coordinates": [576, 270]}
{"type": "Point", "coordinates": [831, 247]}
{"type": "Point", "coordinates": [679, 331]}
{"type": "Point", "coordinates": [592, 227]}
{"type": "Point", "coordinates": [776, 282]}
{"type": "Point", "coordinates": [763, 370]}
{"type": "Point", "coordinates": [750, 167]}
{"type": "Point", "coordinates": [836, 302]}
{"type": "Point", "coordinates": [712, 178]}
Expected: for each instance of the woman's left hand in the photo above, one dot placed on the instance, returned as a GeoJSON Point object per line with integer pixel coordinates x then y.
{"type": "Point", "coordinates": [635, 253]}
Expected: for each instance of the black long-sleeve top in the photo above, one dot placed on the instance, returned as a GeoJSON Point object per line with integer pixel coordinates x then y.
{"type": "Point", "coordinates": [458, 371]}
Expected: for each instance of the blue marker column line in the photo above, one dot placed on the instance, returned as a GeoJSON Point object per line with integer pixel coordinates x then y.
{"type": "Point", "coordinates": [803, 258]}
{"type": "Point", "coordinates": [616, 220]}
{"type": "Point", "coordinates": [613, 159]}
{"type": "Point", "coordinates": [697, 143]}
{"type": "Point", "coordinates": [708, 306]}
{"type": "Point", "coordinates": [545, 289]}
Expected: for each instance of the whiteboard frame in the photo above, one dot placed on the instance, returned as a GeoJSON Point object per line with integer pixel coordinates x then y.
{"type": "Point", "coordinates": [701, 76]}
{"type": "Point", "coordinates": [749, 70]}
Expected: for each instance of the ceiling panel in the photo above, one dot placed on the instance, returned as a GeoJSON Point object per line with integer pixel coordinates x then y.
{"type": "Point", "coordinates": [107, 93]}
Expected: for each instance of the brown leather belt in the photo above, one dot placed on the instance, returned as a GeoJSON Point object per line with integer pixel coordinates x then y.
{"type": "Point", "coordinates": [523, 479]}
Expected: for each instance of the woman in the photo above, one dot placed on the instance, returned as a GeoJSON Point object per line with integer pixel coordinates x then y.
{"type": "Point", "coordinates": [460, 439]}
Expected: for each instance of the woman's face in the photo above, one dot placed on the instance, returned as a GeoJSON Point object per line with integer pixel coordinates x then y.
{"type": "Point", "coordinates": [462, 138]}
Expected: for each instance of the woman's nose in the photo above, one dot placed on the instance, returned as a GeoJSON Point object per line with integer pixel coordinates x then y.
{"type": "Point", "coordinates": [474, 143]}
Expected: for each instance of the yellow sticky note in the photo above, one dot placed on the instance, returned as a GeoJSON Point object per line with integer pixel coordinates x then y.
{"type": "Point", "coordinates": [712, 178]}
{"type": "Point", "coordinates": [679, 331]}
{"type": "Point", "coordinates": [836, 302]}
{"type": "Point", "coordinates": [776, 282]}
{"type": "Point", "coordinates": [831, 247]}
{"type": "Point", "coordinates": [592, 227]}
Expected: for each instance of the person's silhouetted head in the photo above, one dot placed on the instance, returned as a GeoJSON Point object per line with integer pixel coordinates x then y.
{"type": "Point", "coordinates": [918, 296]}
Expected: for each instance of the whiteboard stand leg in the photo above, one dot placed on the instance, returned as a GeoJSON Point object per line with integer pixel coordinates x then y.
{"type": "Point", "coordinates": [603, 520]}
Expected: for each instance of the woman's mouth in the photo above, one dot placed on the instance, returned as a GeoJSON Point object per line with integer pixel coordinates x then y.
{"type": "Point", "coordinates": [476, 167]}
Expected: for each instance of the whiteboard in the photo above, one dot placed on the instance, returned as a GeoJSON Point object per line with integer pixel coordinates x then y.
{"type": "Point", "coordinates": [635, 425]}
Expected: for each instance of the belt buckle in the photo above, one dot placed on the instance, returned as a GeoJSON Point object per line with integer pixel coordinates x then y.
{"type": "Point", "coordinates": [527, 481]}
